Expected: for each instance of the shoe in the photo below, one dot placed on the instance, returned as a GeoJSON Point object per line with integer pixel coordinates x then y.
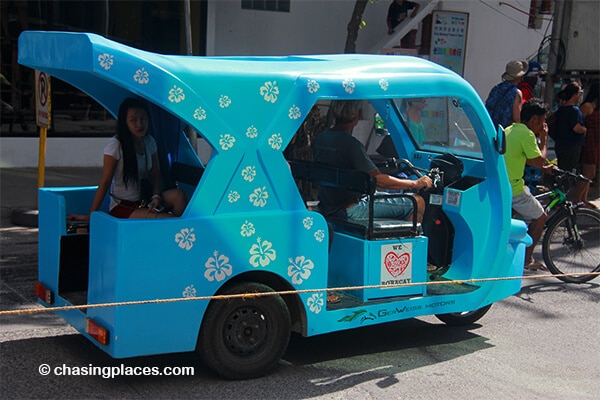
{"type": "Point", "coordinates": [535, 266]}
{"type": "Point", "coordinates": [332, 298]}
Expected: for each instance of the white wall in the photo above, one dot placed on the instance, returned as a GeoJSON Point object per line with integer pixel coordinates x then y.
{"type": "Point", "coordinates": [60, 152]}
{"type": "Point", "coordinates": [310, 27]}
{"type": "Point", "coordinates": [497, 33]}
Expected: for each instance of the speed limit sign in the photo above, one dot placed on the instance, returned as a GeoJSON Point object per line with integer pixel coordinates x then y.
{"type": "Point", "coordinates": [42, 99]}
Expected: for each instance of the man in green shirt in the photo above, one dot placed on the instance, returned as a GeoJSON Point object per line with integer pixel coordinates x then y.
{"type": "Point", "coordinates": [521, 149]}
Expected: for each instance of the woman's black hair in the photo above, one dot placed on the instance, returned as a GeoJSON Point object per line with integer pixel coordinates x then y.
{"type": "Point", "coordinates": [130, 167]}
{"type": "Point", "coordinates": [572, 88]}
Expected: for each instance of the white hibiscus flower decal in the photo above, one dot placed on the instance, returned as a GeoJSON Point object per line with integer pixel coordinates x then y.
{"type": "Point", "coordinates": [249, 173]}
{"type": "Point", "coordinates": [319, 235]}
{"type": "Point", "coordinates": [262, 253]}
{"type": "Point", "coordinates": [252, 132]}
{"type": "Point", "coordinates": [217, 267]}
{"type": "Point", "coordinates": [233, 196]}
{"type": "Point", "coordinates": [294, 112]}
{"type": "Point", "coordinates": [307, 222]}
{"type": "Point", "coordinates": [141, 76]}
{"type": "Point", "coordinates": [176, 95]}
{"type": "Point", "coordinates": [313, 86]}
{"type": "Point", "coordinates": [300, 269]}
{"type": "Point", "coordinates": [226, 141]}
{"type": "Point", "coordinates": [259, 197]}
{"type": "Point", "coordinates": [349, 86]}
{"type": "Point", "coordinates": [224, 101]}
{"type": "Point", "coordinates": [269, 91]}
{"type": "Point", "coordinates": [190, 291]}
{"type": "Point", "coordinates": [106, 61]}
{"type": "Point", "coordinates": [186, 238]}
{"type": "Point", "coordinates": [247, 229]}
{"type": "Point", "coordinates": [315, 303]}
{"type": "Point", "coordinates": [275, 141]}
{"type": "Point", "coordinates": [384, 84]}
{"type": "Point", "coordinates": [199, 113]}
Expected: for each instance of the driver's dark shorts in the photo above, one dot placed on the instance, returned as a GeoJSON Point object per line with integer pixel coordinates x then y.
{"type": "Point", "coordinates": [395, 207]}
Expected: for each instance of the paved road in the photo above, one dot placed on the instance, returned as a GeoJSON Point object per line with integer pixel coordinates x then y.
{"type": "Point", "coordinates": [539, 344]}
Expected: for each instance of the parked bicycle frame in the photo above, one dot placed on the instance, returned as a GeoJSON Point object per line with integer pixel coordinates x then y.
{"type": "Point", "coordinates": [571, 242]}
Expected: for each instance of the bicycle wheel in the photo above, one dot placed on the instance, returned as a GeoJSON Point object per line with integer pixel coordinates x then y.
{"type": "Point", "coordinates": [564, 253]}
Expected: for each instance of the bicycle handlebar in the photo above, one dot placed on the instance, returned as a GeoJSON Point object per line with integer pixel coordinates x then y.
{"type": "Point", "coordinates": [560, 172]}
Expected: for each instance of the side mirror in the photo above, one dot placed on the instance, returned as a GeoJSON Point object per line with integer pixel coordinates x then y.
{"type": "Point", "coordinates": [380, 129]}
{"type": "Point", "coordinates": [500, 140]}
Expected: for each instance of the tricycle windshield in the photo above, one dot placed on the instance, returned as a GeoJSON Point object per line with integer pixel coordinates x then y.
{"type": "Point", "coordinates": [439, 124]}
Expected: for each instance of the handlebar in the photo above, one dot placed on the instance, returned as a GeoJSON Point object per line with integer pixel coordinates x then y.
{"type": "Point", "coordinates": [559, 173]}
{"type": "Point", "coordinates": [435, 174]}
{"type": "Point", "coordinates": [399, 162]}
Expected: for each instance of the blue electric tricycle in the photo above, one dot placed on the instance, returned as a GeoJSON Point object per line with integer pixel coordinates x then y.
{"type": "Point", "coordinates": [252, 259]}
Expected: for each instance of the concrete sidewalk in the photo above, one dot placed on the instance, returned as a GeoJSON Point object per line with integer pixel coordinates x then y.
{"type": "Point", "coordinates": [18, 186]}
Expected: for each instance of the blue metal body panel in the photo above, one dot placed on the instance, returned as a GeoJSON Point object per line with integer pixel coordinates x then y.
{"type": "Point", "coordinates": [246, 217]}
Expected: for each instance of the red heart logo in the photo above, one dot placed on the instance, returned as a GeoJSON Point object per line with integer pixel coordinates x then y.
{"type": "Point", "coordinates": [396, 264]}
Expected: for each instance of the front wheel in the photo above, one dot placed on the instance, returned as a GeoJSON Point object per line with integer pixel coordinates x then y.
{"type": "Point", "coordinates": [244, 338]}
{"type": "Point", "coordinates": [463, 318]}
{"type": "Point", "coordinates": [571, 245]}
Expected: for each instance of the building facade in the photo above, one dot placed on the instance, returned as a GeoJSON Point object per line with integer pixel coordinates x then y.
{"type": "Point", "coordinates": [496, 33]}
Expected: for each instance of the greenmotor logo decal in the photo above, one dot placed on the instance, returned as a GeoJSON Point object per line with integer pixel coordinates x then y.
{"type": "Point", "coordinates": [363, 315]}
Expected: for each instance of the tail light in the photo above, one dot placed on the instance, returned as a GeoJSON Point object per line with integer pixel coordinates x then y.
{"type": "Point", "coordinates": [96, 331]}
{"type": "Point", "coordinates": [43, 293]}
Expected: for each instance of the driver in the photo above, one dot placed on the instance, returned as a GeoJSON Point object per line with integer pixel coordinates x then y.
{"type": "Point", "coordinates": [337, 147]}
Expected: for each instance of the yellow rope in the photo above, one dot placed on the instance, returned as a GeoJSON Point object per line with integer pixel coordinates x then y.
{"type": "Point", "coordinates": [245, 296]}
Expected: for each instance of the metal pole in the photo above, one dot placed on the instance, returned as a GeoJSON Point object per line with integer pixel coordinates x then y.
{"type": "Point", "coordinates": [554, 49]}
{"type": "Point", "coordinates": [188, 27]}
{"type": "Point", "coordinates": [106, 15]}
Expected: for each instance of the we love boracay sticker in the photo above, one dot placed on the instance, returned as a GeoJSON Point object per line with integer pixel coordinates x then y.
{"type": "Point", "coordinates": [396, 263]}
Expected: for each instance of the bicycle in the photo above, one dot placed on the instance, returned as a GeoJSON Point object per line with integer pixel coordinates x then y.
{"type": "Point", "coordinates": [571, 241]}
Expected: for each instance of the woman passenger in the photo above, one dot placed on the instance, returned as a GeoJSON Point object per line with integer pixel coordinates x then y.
{"type": "Point", "coordinates": [130, 157]}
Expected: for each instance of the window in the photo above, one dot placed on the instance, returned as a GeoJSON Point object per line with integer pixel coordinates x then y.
{"type": "Point", "coordinates": [444, 125]}
{"type": "Point", "coordinates": [267, 5]}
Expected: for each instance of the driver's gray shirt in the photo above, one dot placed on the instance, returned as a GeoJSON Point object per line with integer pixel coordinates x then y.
{"type": "Point", "coordinates": [341, 150]}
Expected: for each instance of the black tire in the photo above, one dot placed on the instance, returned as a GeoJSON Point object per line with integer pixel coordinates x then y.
{"type": "Point", "coordinates": [563, 254]}
{"type": "Point", "coordinates": [463, 318]}
{"type": "Point", "coordinates": [244, 338]}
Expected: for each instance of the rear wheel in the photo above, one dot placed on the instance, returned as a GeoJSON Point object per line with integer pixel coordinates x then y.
{"type": "Point", "coordinates": [463, 318]}
{"type": "Point", "coordinates": [244, 338]}
{"type": "Point", "coordinates": [565, 252]}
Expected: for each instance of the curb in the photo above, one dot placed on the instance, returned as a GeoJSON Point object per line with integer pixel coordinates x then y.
{"type": "Point", "coordinates": [24, 217]}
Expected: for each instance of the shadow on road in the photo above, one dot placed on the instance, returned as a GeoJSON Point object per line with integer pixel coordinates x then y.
{"type": "Point", "coordinates": [311, 367]}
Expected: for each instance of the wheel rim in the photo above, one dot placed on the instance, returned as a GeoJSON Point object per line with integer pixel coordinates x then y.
{"type": "Point", "coordinates": [245, 331]}
{"type": "Point", "coordinates": [565, 255]}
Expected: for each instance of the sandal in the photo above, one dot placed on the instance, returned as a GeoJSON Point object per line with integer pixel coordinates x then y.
{"type": "Point", "coordinates": [535, 266]}
{"type": "Point", "coordinates": [333, 299]}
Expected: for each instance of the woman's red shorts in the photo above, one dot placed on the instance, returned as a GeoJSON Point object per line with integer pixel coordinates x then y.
{"type": "Point", "coordinates": [124, 208]}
